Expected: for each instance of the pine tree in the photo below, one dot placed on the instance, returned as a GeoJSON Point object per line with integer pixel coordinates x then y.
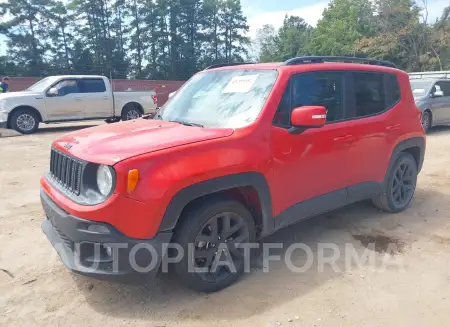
{"type": "Point", "coordinates": [234, 25]}
{"type": "Point", "coordinates": [157, 39]}
{"type": "Point", "coordinates": [61, 38]}
{"type": "Point", "coordinates": [28, 39]}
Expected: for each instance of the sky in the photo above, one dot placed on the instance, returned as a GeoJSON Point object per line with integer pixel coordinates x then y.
{"type": "Point", "coordinates": [260, 12]}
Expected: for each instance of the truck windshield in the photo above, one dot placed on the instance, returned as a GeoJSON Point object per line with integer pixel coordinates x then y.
{"type": "Point", "coordinates": [223, 98]}
{"type": "Point", "coordinates": [42, 85]}
{"type": "Point", "coordinates": [420, 87]}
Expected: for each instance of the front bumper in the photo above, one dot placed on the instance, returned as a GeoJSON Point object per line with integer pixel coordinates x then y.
{"type": "Point", "coordinates": [104, 252]}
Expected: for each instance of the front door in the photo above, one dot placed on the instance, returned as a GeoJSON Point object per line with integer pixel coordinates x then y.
{"type": "Point", "coordinates": [314, 163]}
{"type": "Point", "coordinates": [67, 104]}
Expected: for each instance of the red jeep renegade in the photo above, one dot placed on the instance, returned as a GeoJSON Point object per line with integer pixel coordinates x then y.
{"type": "Point", "coordinates": [237, 153]}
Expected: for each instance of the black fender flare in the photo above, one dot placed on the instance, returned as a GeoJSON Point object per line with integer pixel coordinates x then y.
{"type": "Point", "coordinates": [192, 192]}
{"type": "Point", "coordinates": [407, 144]}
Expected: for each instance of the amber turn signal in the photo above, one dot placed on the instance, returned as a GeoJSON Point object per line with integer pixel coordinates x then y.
{"type": "Point", "coordinates": [133, 177]}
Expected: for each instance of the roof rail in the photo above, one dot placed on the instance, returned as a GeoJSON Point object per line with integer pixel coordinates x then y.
{"type": "Point", "coordinates": [229, 64]}
{"type": "Point", "coordinates": [323, 59]}
{"type": "Point", "coordinates": [438, 74]}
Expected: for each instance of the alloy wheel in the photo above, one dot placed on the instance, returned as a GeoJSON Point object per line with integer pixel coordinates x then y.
{"type": "Point", "coordinates": [403, 185]}
{"type": "Point", "coordinates": [132, 114]}
{"type": "Point", "coordinates": [218, 241]}
{"type": "Point", "coordinates": [25, 122]}
{"type": "Point", "coordinates": [425, 121]}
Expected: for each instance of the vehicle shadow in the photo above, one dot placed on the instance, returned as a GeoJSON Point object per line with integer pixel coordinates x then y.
{"type": "Point", "coordinates": [438, 130]}
{"type": "Point", "coordinates": [356, 225]}
{"type": "Point", "coordinates": [64, 128]}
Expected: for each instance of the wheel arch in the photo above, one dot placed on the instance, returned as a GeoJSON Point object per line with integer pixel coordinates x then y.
{"type": "Point", "coordinates": [132, 103]}
{"type": "Point", "coordinates": [26, 107]}
{"type": "Point", "coordinates": [415, 146]}
{"type": "Point", "coordinates": [251, 189]}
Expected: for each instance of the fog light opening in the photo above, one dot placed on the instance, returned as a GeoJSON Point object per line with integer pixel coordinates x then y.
{"type": "Point", "coordinates": [108, 250]}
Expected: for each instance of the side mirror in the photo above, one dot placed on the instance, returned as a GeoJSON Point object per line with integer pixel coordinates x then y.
{"type": "Point", "coordinates": [308, 117]}
{"type": "Point", "coordinates": [52, 92]}
{"type": "Point", "coordinates": [437, 94]}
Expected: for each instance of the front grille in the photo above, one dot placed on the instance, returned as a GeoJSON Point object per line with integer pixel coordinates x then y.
{"type": "Point", "coordinates": [66, 170]}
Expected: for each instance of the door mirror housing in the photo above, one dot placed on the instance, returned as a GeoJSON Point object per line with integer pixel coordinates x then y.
{"type": "Point", "coordinates": [308, 117]}
{"type": "Point", "coordinates": [52, 92]}
{"type": "Point", "coordinates": [437, 94]}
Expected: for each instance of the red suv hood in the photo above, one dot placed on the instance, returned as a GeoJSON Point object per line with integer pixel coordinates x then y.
{"type": "Point", "coordinates": [109, 144]}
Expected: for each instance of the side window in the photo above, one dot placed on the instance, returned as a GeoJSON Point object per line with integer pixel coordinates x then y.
{"type": "Point", "coordinates": [283, 113]}
{"type": "Point", "coordinates": [370, 96]}
{"type": "Point", "coordinates": [320, 89]}
{"type": "Point", "coordinates": [92, 85]}
{"type": "Point", "coordinates": [66, 87]}
{"type": "Point", "coordinates": [444, 87]}
{"type": "Point", "coordinates": [392, 90]}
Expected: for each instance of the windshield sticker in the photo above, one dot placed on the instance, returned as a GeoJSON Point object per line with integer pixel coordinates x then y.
{"type": "Point", "coordinates": [240, 84]}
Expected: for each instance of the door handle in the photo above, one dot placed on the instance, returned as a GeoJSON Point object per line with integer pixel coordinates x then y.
{"type": "Point", "coordinates": [345, 138]}
{"type": "Point", "coordinates": [105, 98]}
{"type": "Point", "coordinates": [78, 98]}
{"type": "Point", "coordinates": [393, 127]}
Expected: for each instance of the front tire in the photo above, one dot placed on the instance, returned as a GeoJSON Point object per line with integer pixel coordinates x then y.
{"type": "Point", "coordinates": [400, 185]}
{"type": "Point", "coordinates": [25, 121]}
{"type": "Point", "coordinates": [426, 120]}
{"type": "Point", "coordinates": [217, 224]}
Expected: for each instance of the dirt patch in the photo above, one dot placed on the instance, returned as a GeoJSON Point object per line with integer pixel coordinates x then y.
{"type": "Point", "coordinates": [381, 243]}
{"type": "Point", "coordinates": [440, 239]}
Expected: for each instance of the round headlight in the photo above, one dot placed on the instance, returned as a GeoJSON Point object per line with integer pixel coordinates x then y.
{"type": "Point", "coordinates": [104, 179]}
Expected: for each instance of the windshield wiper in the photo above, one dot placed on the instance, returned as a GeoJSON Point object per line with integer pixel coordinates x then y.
{"type": "Point", "coordinates": [186, 123]}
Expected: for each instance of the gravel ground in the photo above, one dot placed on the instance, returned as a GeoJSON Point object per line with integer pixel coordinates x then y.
{"type": "Point", "coordinates": [412, 288]}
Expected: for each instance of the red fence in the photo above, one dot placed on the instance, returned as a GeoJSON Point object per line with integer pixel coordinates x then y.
{"type": "Point", "coordinates": [162, 88]}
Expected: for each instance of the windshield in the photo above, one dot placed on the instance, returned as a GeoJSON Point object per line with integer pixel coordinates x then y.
{"type": "Point", "coordinates": [224, 98]}
{"type": "Point", "coordinates": [42, 85]}
{"type": "Point", "coordinates": [420, 87]}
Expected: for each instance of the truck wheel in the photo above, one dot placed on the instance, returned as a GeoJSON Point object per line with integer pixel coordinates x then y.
{"type": "Point", "coordinates": [209, 235]}
{"type": "Point", "coordinates": [131, 111]}
{"type": "Point", "coordinates": [25, 121]}
{"type": "Point", "coordinates": [400, 185]}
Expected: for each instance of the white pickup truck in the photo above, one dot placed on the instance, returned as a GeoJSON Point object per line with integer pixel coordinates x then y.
{"type": "Point", "coordinates": [71, 98]}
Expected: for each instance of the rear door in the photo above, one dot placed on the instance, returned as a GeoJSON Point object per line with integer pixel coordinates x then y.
{"type": "Point", "coordinates": [98, 100]}
{"type": "Point", "coordinates": [374, 126]}
{"type": "Point", "coordinates": [68, 104]}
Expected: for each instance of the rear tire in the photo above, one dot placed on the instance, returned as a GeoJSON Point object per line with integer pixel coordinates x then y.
{"type": "Point", "coordinates": [24, 121]}
{"type": "Point", "coordinates": [400, 185]}
{"type": "Point", "coordinates": [206, 228]}
{"type": "Point", "coordinates": [131, 111]}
